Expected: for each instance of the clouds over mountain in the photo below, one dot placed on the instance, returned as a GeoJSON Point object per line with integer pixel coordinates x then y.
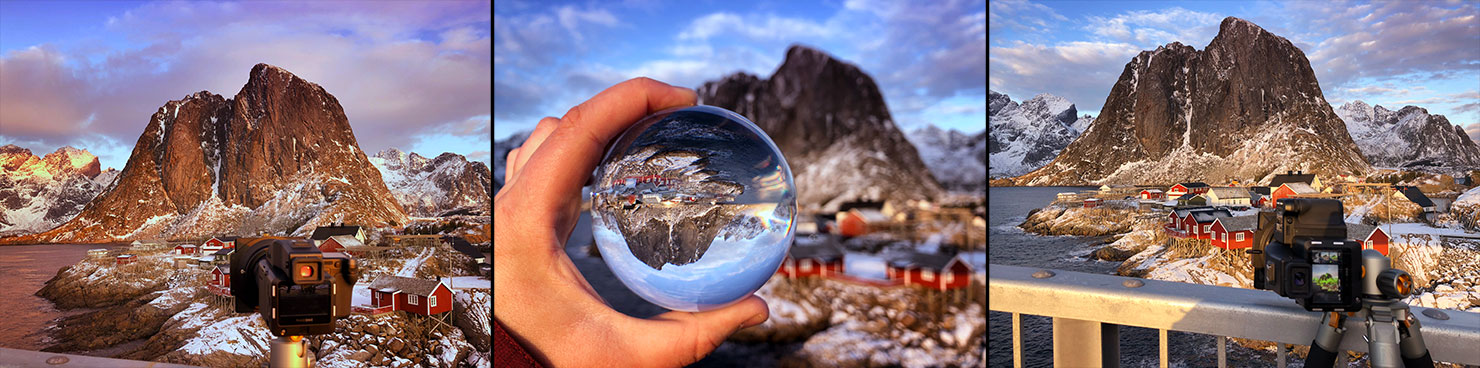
{"type": "Point", "coordinates": [406, 72]}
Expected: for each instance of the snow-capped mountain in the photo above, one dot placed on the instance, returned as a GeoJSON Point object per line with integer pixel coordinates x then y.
{"type": "Point", "coordinates": [830, 120]}
{"type": "Point", "coordinates": [279, 158]}
{"type": "Point", "coordinates": [1246, 107]}
{"type": "Point", "coordinates": [1409, 136]}
{"type": "Point", "coordinates": [1027, 136]}
{"type": "Point", "coordinates": [38, 193]}
{"type": "Point", "coordinates": [435, 187]}
{"type": "Point", "coordinates": [958, 161]}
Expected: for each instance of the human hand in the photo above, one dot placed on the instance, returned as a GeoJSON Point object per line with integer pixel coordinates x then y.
{"type": "Point", "coordinates": [539, 295]}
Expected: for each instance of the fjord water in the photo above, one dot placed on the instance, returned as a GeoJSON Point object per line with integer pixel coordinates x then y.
{"type": "Point", "coordinates": [23, 270]}
{"type": "Point", "coordinates": [1010, 245]}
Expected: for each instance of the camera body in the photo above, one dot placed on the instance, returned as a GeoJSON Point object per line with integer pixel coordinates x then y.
{"type": "Point", "coordinates": [297, 289]}
{"type": "Point", "coordinates": [1301, 252]}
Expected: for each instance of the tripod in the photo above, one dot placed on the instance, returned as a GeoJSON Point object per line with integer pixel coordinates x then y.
{"type": "Point", "coordinates": [289, 351]}
{"type": "Point", "coordinates": [1393, 337]}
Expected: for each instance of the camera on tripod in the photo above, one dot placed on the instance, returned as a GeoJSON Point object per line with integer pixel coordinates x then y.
{"type": "Point", "coordinates": [1301, 252]}
{"type": "Point", "coordinates": [298, 289]}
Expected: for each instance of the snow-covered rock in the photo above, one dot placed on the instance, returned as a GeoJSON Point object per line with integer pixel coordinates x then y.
{"type": "Point", "coordinates": [1408, 137]}
{"type": "Point", "coordinates": [39, 193]}
{"type": "Point", "coordinates": [430, 188]}
{"type": "Point", "coordinates": [958, 161]}
{"type": "Point", "coordinates": [1027, 136]}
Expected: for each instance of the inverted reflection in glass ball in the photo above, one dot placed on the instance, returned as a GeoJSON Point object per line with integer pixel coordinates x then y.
{"type": "Point", "coordinates": [693, 208]}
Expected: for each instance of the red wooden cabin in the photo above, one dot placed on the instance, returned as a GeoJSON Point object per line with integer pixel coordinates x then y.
{"type": "Point", "coordinates": [337, 243]}
{"type": "Point", "coordinates": [1234, 232]}
{"type": "Point", "coordinates": [1183, 188]}
{"type": "Point", "coordinates": [125, 259]}
{"type": "Point", "coordinates": [1372, 237]}
{"type": "Point", "coordinates": [424, 297]}
{"type": "Point", "coordinates": [1199, 223]}
{"type": "Point", "coordinates": [1091, 203]}
{"type": "Point", "coordinates": [1153, 194]}
{"type": "Point", "coordinates": [220, 283]}
{"type": "Point", "coordinates": [186, 249]}
{"type": "Point", "coordinates": [804, 261]}
{"type": "Point", "coordinates": [935, 271]}
{"type": "Point", "coordinates": [216, 243]}
{"type": "Point", "coordinates": [857, 221]}
{"type": "Point", "coordinates": [1288, 190]}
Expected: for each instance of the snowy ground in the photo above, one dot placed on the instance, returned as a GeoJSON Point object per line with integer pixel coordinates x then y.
{"type": "Point", "coordinates": [864, 265]}
{"type": "Point", "coordinates": [469, 282]}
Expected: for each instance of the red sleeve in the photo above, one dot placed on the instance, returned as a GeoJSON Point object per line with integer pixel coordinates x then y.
{"type": "Point", "coordinates": [507, 352]}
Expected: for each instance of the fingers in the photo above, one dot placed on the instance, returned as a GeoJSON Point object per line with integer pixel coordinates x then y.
{"type": "Point", "coordinates": [686, 337]}
{"type": "Point", "coordinates": [531, 144]}
{"type": "Point", "coordinates": [567, 157]}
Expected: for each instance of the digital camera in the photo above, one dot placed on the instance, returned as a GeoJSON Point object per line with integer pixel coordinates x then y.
{"type": "Point", "coordinates": [1301, 252]}
{"type": "Point", "coordinates": [297, 289]}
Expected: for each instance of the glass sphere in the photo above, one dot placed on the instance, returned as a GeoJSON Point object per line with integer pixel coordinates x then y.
{"type": "Point", "coordinates": [693, 208]}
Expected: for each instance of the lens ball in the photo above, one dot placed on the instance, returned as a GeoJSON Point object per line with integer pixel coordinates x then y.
{"type": "Point", "coordinates": [693, 208]}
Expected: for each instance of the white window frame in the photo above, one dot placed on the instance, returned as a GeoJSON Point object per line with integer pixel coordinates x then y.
{"type": "Point", "coordinates": [1207, 228]}
{"type": "Point", "coordinates": [807, 266]}
{"type": "Point", "coordinates": [927, 275]}
{"type": "Point", "coordinates": [411, 299]}
{"type": "Point", "coordinates": [1238, 236]}
{"type": "Point", "coordinates": [1371, 244]}
{"type": "Point", "coordinates": [432, 300]}
{"type": "Point", "coordinates": [1225, 238]}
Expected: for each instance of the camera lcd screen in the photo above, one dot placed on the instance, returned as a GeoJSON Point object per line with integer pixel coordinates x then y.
{"type": "Point", "coordinates": [1325, 276]}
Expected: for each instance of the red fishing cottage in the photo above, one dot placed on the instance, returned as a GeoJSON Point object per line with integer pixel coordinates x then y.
{"type": "Point", "coordinates": [424, 297]}
{"type": "Point", "coordinates": [1234, 232]}
{"type": "Point", "coordinates": [1372, 237]}
{"type": "Point", "coordinates": [935, 271]}
{"type": "Point", "coordinates": [804, 261]}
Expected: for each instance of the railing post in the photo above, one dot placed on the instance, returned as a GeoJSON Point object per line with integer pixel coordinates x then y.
{"type": "Point", "coordinates": [1280, 353]}
{"type": "Point", "coordinates": [1110, 344]}
{"type": "Point", "coordinates": [1080, 343]}
{"type": "Point", "coordinates": [1017, 340]}
{"type": "Point", "coordinates": [1162, 346]}
{"type": "Point", "coordinates": [1222, 351]}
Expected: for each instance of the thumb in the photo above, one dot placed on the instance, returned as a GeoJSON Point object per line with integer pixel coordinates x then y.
{"type": "Point", "coordinates": [680, 338]}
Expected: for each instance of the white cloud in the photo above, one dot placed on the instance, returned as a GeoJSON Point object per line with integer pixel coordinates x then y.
{"type": "Point", "coordinates": [1148, 29]}
{"type": "Point", "coordinates": [755, 27]}
{"type": "Point", "coordinates": [1023, 70]}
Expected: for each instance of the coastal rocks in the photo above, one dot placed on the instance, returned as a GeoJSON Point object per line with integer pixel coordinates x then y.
{"type": "Point", "coordinates": [95, 284]}
{"type": "Point", "coordinates": [474, 321]}
{"type": "Point", "coordinates": [1058, 220]}
{"type": "Point", "coordinates": [136, 319]}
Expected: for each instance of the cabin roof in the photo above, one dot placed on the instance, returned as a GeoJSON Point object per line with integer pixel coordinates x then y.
{"type": "Point", "coordinates": [347, 240]}
{"type": "Point", "coordinates": [1300, 188]}
{"type": "Point", "coordinates": [1240, 223]}
{"type": "Point", "coordinates": [1194, 184]}
{"type": "Point", "coordinates": [405, 284]}
{"type": "Point", "coordinates": [1359, 231]}
{"type": "Point", "coordinates": [224, 252]}
{"type": "Point", "coordinates": [223, 270]}
{"type": "Point", "coordinates": [823, 253]}
{"type": "Point", "coordinates": [1415, 195]}
{"type": "Point", "coordinates": [1229, 192]}
{"type": "Point", "coordinates": [1291, 177]}
{"type": "Point", "coordinates": [324, 232]}
{"type": "Point", "coordinates": [933, 261]}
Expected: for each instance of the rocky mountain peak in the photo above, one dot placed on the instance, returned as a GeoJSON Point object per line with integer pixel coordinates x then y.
{"type": "Point", "coordinates": [278, 158]}
{"type": "Point", "coordinates": [830, 120]}
{"type": "Point", "coordinates": [1246, 106]}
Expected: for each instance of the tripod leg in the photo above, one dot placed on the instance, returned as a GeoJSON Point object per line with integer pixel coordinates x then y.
{"type": "Point", "coordinates": [1324, 348]}
{"type": "Point", "coordinates": [1411, 346]}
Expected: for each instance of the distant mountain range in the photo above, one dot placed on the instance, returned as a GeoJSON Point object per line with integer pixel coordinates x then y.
{"type": "Point", "coordinates": [38, 193]}
{"type": "Point", "coordinates": [1026, 136]}
{"type": "Point", "coordinates": [957, 160]}
{"type": "Point", "coordinates": [445, 185]}
{"type": "Point", "coordinates": [1409, 137]}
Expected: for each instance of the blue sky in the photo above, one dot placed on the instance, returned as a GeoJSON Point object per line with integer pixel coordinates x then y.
{"type": "Point", "coordinates": [410, 74]}
{"type": "Point", "coordinates": [929, 57]}
{"type": "Point", "coordinates": [1421, 53]}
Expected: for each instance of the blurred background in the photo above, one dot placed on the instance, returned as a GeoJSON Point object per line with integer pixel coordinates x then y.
{"type": "Point", "coordinates": [880, 109]}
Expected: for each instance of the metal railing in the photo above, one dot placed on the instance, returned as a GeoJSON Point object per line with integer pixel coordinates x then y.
{"type": "Point", "coordinates": [27, 358]}
{"type": "Point", "coordinates": [1088, 308]}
